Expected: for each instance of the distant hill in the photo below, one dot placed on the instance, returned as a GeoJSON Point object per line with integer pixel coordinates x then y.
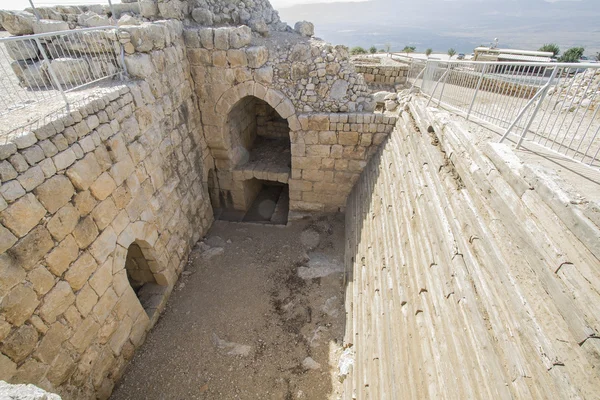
{"type": "Point", "coordinates": [462, 24]}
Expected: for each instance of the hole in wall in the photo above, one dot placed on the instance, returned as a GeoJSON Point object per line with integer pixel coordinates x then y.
{"type": "Point", "coordinates": [141, 277]}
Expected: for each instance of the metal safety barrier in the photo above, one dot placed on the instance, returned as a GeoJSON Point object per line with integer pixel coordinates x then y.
{"type": "Point", "coordinates": [553, 104]}
{"type": "Point", "coordinates": [41, 67]}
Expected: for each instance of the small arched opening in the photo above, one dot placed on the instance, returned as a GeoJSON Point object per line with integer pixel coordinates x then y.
{"type": "Point", "coordinates": [261, 165]}
{"type": "Point", "coordinates": [140, 268]}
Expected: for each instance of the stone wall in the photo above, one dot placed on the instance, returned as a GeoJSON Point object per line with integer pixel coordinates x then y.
{"type": "Point", "coordinates": [383, 74]}
{"type": "Point", "coordinates": [328, 155]}
{"type": "Point", "coordinates": [311, 85]}
{"type": "Point", "coordinates": [128, 168]}
{"type": "Point", "coordinates": [470, 274]}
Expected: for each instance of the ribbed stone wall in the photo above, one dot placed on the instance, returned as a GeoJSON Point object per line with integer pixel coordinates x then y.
{"type": "Point", "coordinates": [469, 274]}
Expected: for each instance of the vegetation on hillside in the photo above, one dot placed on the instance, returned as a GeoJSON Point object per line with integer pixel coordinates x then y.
{"type": "Point", "coordinates": [428, 52]}
{"type": "Point", "coordinates": [572, 55]}
{"type": "Point", "coordinates": [551, 48]}
{"type": "Point", "coordinates": [357, 50]}
{"type": "Point", "coordinates": [373, 50]}
{"type": "Point", "coordinates": [451, 52]}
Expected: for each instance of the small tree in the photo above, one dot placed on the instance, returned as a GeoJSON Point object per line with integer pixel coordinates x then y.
{"type": "Point", "coordinates": [408, 49]}
{"type": "Point", "coordinates": [551, 48]}
{"type": "Point", "coordinates": [357, 50]}
{"type": "Point", "coordinates": [572, 55]}
{"type": "Point", "coordinates": [387, 47]}
{"type": "Point", "coordinates": [451, 52]}
{"type": "Point", "coordinates": [598, 56]}
{"type": "Point", "coordinates": [373, 50]}
{"type": "Point", "coordinates": [428, 52]}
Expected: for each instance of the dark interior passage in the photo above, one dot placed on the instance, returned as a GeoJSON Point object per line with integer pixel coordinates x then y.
{"type": "Point", "coordinates": [141, 278]}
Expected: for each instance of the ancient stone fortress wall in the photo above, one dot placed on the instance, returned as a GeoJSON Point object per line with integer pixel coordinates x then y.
{"type": "Point", "coordinates": [381, 71]}
{"type": "Point", "coordinates": [471, 274]}
{"type": "Point", "coordinates": [310, 85]}
{"type": "Point", "coordinates": [123, 173]}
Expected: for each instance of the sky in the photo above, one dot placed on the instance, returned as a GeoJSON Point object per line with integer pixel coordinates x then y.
{"type": "Point", "coordinates": [287, 3]}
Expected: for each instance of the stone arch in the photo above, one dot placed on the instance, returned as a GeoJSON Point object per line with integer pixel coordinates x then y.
{"type": "Point", "coordinates": [143, 272]}
{"type": "Point", "coordinates": [273, 97]}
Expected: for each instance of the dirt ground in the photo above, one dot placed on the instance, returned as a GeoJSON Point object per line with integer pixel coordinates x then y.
{"type": "Point", "coordinates": [257, 314]}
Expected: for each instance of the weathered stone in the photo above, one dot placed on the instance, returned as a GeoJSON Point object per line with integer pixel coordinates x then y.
{"type": "Point", "coordinates": [63, 222]}
{"type": "Point", "coordinates": [62, 256]}
{"type": "Point", "coordinates": [202, 16]}
{"type": "Point", "coordinates": [18, 305]}
{"type": "Point", "coordinates": [57, 301]}
{"type": "Point", "coordinates": [17, 22]}
{"type": "Point", "coordinates": [80, 271]}
{"type": "Point", "coordinates": [305, 28]}
{"type": "Point", "coordinates": [41, 279]}
{"type": "Point", "coordinates": [32, 178]}
{"type": "Point", "coordinates": [22, 50]}
{"type": "Point", "coordinates": [51, 343]}
{"type": "Point", "coordinates": [240, 37]}
{"type": "Point", "coordinates": [7, 369]}
{"type": "Point", "coordinates": [85, 333]}
{"type": "Point", "coordinates": [29, 250]}
{"type": "Point", "coordinates": [47, 26]}
{"type": "Point", "coordinates": [139, 65]}
{"type": "Point", "coordinates": [339, 89]}
{"type": "Point", "coordinates": [86, 300]}
{"type": "Point", "coordinates": [85, 232]}
{"type": "Point", "coordinates": [7, 239]}
{"type": "Point", "coordinates": [20, 343]}
{"type": "Point", "coordinates": [12, 190]}
{"type": "Point", "coordinates": [55, 192]}
{"type": "Point", "coordinates": [257, 56]}
{"type": "Point", "coordinates": [84, 172]}
{"type": "Point", "coordinates": [62, 367]}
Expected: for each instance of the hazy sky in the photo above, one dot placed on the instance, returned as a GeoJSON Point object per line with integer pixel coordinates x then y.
{"type": "Point", "coordinates": [286, 3]}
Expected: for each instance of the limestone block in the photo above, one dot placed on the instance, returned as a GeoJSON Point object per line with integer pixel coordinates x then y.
{"type": "Point", "coordinates": [63, 222]}
{"type": "Point", "coordinates": [305, 28]}
{"type": "Point", "coordinates": [84, 172]}
{"type": "Point", "coordinates": [240, 37]}
{"type": "Point", "coordinates": [49, 25]}
{"type": "Point", "coordinates": [206, 36]}
{"type": "Point", "coordinates": [41, 279]}
{"type": "Point", "coordinates": [300, 52]}
{"type": "Point", "coordinates": [90, 19]}
{"type": "Point", "coordinates": [7, 371]}
{"type": "Point", "coordinates": [121, 335]}
{"type": "Point", "coordinates": [20, 343]}
{"type": "Point", "coordinates": [202, 16]}
{"type": "Point", "coordinates": [62, 367]}
{"type": "Point", "coordinates": [148, 8]}
{"type": "Point", "coordinates": [105, 305]}
{"type": "Point", "coordinates": [85, 232]}
{"type": "Point", "coordinates": [64, 159]}
{"type": "Point", "coordinates": [80, 271]}
{"type": "Point", "coordinates": [139, 65]}
{"type": "Point", "coordinates": [55, 192]}
{"type": "Point", "coordinates": [257, 56]}
{"type": "Point", "coordinates": [318, 150]}
{"type": "Point", "coordinates": [348, 138]}
{"type": "Point", "coordinates": [22, 50]}
{"type": "Point", "coordinates": [17, 22]}
{"type": "Point", "coordinates": [221, 38]}
{"type": "Point", "coordinates": [62, 256]}
{"type": "Point", "coordinates": [104, 245]}
{"type": "Point", "coordinates": [237, 58]}
{"type": "Point", "coordinates": [318, 122]}
{"type": "Point", "coordinates": [30, 249]}
{"type": "Point", "coordinates": [19, 304]}
{"type": "Point", "coordinates": [70, 71]}
{"type": "Point", "coordinates": [327, 137]}
{"type": "Point", "coordinates": [219, 58]}
{"type": "Point", "coordinates": [102, 278]}
{"type": "Point", "coordinates": [121, 170]}
{"type": "Point", "coordinates": [23, 215]}
{"type": "Point", "coordinates": [85, 333]}
{"type": "Point", "coordinates": [57, 301]}
{"type": "Point", "coordinates": [285, 109]}
{"type": "Point", "coordinates": [51, 343]}
{"type": "Point", "coordinates": [200, 57]}
{"type": "Point", "coordinates": [103, 187]}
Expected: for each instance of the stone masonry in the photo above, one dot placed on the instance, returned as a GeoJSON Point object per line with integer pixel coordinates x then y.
{"type": "Point", "coordinates": [76, 193]}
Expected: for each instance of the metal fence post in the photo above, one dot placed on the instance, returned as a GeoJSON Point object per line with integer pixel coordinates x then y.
{"type": "Point", "coordinates": [476, 90]}
{"type": "Point", "coordinates": [537, 107]}
{"type": "Point", "coordinates": [55, 81]}
{"type": "Point", "coordinates": [444, 85]}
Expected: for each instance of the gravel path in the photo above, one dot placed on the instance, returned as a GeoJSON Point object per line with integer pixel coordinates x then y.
{"type": "Point", "coordinates": [242, 324]}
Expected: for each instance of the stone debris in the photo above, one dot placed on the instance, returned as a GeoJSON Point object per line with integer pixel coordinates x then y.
{"type": "Point", "coordinates": [331, 307]}
{"type": "Point", "coordinates": [236, 349]}
{"type": "Point", "coordinates": [309, 363]}
{"type": "Point", "coordinates": [25, 392]}
{"type": "Point", "coordinates": [212, 252]}
{"type": "Point", "coordinates": [345, 364]}
{"type": "Point", "coordinates": [319, 266]}
{"type": "Point", "coordinates": [305, 28]}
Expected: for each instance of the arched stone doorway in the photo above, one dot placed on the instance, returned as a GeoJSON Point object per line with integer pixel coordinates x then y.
{"type": "Point", "coordinates": [260, 162]}
{"type": "Point", "coordinates": [141, 268]}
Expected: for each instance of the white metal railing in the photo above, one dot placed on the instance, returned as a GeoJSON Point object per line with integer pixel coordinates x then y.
{"type": "Point", "coordinates": [39, 67]}
{"type": "Point", "coordinates": [553, 104]}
